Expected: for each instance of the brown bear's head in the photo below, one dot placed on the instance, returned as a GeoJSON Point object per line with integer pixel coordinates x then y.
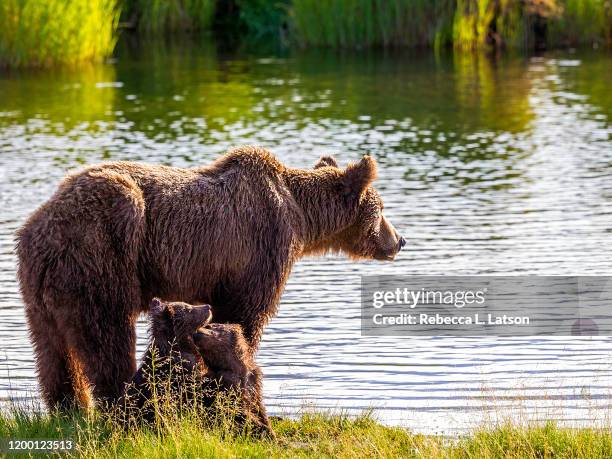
{"type": "Point", "coordinates": [369, 234]}
{"type": "Point", "coordinates": [177, 320]}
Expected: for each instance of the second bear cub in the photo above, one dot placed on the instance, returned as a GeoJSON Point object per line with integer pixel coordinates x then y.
{"type": "Point", "coordinates": [231, 365]}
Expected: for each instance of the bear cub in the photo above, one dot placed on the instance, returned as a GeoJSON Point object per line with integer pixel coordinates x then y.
{"type": "Point", "coordinates": [231, 366]}
{"type": "Point", "coordinates": [190, 359]}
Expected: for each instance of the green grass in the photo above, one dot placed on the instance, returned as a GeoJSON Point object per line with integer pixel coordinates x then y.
{"type": "Point", "coordinates": [312, 435]}
{"type": "Point", "coordinates": [363, 23]}
{"type": "Point", "coordinates": [583, 22]}
{"type": "Point", "coordinates": [253, 18]}
{"type": "Point", "coordinates": [467, 24]}
{"type": "Point", "coordinates": [48, 32]}
{"type": "Point", "coordinates": [155, 16]}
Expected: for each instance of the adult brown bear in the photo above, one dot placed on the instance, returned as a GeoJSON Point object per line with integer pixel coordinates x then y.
{"type": "Point", "coordinates": [115, 235]}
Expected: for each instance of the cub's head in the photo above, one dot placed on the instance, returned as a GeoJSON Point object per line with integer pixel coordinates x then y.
{"type": "Point", "coordinates": [177, 320]}
{"type": "Point", "coordinates": [222, 346]}
{"type": "Point", "coordinates": [369, 234]}
{"type": "Point", "coordinates": [228, 337]}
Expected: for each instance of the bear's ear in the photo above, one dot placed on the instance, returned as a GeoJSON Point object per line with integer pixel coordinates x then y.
{"type": "Point", "coordinates": [358, 176]}
{"type": "Point", "coordinates": [326, 161]}
{"type": "Point", "coordinates": [156, 304]}
{"type": "Point", "coordinates": [161, 310]}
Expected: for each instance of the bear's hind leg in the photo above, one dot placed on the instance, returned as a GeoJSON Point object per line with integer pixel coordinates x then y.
{"type": "Point", "coordinates": [62, 384]}
{"type": "Point", "coordinates": [107, 355]}
{"type": "Point", "coordinates": [95, 278]}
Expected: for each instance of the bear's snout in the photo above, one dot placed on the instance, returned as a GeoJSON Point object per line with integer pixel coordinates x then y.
{"type": "Point", "coordinates": [401, 243]}
{"type": "Point", "coordinates": [204, 314]}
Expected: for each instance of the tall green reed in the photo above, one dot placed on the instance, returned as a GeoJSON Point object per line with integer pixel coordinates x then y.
{"type": "Point", "coordinates": [154, 16]}
{"type": "Point", "coordinates": [467, 24]}
{"type": "Point", "coordinates": [355, 23]}
{"type": "Point", "coordinates": [47, 32]}
{"type": "Point", "coordinates": [582, 22]}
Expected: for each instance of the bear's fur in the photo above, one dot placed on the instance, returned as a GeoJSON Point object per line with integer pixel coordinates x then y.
{"type": "Point", "coordinates": [189, 360]}
{"type": "Point", "coordinates": [115, 235]}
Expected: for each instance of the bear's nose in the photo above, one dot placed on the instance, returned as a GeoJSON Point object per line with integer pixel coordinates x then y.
{"type": "Point", "coordinates": [402, 243]}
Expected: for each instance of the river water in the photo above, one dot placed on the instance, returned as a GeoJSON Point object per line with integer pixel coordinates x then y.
{"type": "Point", "coordinates": [487, 165]}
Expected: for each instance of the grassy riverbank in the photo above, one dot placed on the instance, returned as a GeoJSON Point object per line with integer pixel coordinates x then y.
{"type": "Point", "coordinates": [312, 435]}
{"type": "Point", "coordinates": [48, 32]}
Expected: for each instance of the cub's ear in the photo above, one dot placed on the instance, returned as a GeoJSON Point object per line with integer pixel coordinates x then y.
{"type": "Point", "coordinates": [156, 305]}
{"type": "Point", "coordinates": [326, 161]}
{"type": "Point", "coordinates": [358, 176]}
{"type": "Point", "coordinates": [160, 309]}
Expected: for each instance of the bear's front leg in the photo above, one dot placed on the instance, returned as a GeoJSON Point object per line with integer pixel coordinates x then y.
{"type": "Point", "coordinates": [252, 319]}
{"type": "Point", "coordinates": [250, 302]}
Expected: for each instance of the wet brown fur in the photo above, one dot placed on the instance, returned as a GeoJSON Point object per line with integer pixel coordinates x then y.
{"type": "Point", "coordinates": [115, 235]}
